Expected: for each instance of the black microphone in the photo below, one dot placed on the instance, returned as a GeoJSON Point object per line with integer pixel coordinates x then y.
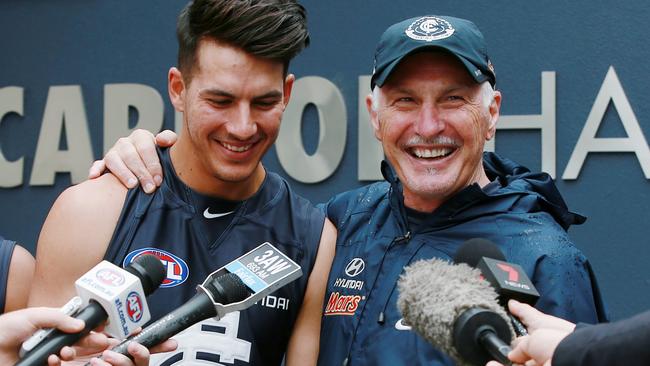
{"type": "Point", "coordinates": [111, 293]}
{"type": "Point", "coordinates": [455, 311]}
{"type": "Point", "coordinates": [236, 286]}
{"type": "Point", "coordinates": [225, 289]}
{"type": "Point", "coordinates": [508, 279]}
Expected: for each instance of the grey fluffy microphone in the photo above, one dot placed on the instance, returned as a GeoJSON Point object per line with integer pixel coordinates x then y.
{"type": "Point", "coordinates": [455, 311]}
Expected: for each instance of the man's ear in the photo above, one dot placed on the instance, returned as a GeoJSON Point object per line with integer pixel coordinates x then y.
{"type": "Point", "coordinates": [374, 119]}
{"type": "Point", "coordinates": [176, 89]}
{"type": "Point", "coordinates": [493, 110]}
{"type": "Point", "coordinates": [287, 88]}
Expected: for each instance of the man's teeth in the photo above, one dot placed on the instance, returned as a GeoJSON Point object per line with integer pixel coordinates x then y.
{"type": "Point", "coordinates": [236, 148]}
{"type": "Point", "coordinates": [432, 153]}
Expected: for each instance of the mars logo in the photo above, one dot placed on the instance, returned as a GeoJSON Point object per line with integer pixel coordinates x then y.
{"type": "Point", "coordinates": [429, 29]}
{"type": "Point", "coordinates": [110, 277]}
{"type": "Point", "coordinates": [342, 304]}
{"type": "Point", "coordinates": [177, 269]}
{"type": "Point", "coordinates": [134, 307]}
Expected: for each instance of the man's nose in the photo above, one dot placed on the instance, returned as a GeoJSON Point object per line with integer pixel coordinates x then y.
{"type": "Point", "coordinates": [430, 121]}
{"type": "Point", "coordinates": [243, 125]}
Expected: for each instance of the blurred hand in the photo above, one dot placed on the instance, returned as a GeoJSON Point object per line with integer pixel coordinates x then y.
{"type": "Point", "coordinates": [545, 333]}
{"type": "Point", "coordinates": [134, 159]}
{"type": "Point", "coordinates": [98, 344]}
{"type": "Point", "coordinates": [535, 349]}
{"type": "Point", "coordinates": [17, 326]}
{"type": "Point", "coordinates": [534, 319]}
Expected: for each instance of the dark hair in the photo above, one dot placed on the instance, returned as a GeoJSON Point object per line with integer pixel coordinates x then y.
{"type": "Point", "coordinates": [272, 29]}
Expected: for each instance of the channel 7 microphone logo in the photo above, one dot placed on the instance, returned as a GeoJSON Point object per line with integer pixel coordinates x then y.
{"type": "Point", "coordinates": [508, 279]}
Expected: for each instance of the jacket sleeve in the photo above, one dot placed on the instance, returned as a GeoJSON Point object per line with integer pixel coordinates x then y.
{"type": "Point", "coordinates": [625, 342]}
{"type": "Point", "coordinates": [568, 287]}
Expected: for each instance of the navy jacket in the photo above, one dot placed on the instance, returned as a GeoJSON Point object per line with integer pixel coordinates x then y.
{"type": "Point", "coordinates": [522, 212]}
{"type": "Point", "coordinates": [621, 343]}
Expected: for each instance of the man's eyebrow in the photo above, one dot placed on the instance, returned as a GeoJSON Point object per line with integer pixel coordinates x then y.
{"type": "Point", "coordinates": [216, 93]}
{"type": "Point", "coordinates": [271, 94]}
{"type": "Point", "coordinates": [222, 93]}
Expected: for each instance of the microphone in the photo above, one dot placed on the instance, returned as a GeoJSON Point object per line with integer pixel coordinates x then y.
{"type": "Point", "coordinates": [236, 286]}
{"type": "Point", "coordinates": [508, 279]}
{"type": "Point", "coordinates": [455, 312]}
{"type": "Point", "coordinates": [108, 292]}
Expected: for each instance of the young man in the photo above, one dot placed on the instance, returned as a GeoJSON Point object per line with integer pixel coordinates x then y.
{"type": "Point", "coordinates": [218, 202]}
{"type": "Point", "coordinates": [433, 106]}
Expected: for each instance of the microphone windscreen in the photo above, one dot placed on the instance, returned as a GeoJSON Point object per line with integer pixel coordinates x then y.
{"type": "Point", "coordinates": [434, 293]}
{"type": "Point", "coordinates": [150, 270]}
{"type": "Point", "coordinates": [471, 252]}
{"type": "Point", "coordinates": [227, 289]}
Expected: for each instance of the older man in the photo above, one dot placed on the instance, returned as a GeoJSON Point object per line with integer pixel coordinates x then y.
{"type": "Point", "coordinates": [433, 106]}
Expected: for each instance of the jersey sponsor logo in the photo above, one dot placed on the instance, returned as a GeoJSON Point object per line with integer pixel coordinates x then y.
{"type": "Point", "coordinates": [110, 277]}
{"type": "Point", "coordinates": [348, 283]}
{"type": "Point", "coordinates": [355, 267]}
{"type": "Point", "coordinates": [134, 307]}
{"type": "Point", "coordinates": [429, 29]}
{"type": "Point", "coordinates": [210, 342]}
{"type": "Point", "coordinates": [275, 302]}
{"type": "Point", "coordinates": [209, 215]}
{"type": "Point", "coordinates": [177, 269]}
{"type": "Point", "coordinates": [402, 325]}
{"type": "Point", "coordinates": [342, 304]}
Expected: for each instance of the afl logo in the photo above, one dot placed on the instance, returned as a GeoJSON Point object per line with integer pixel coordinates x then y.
{"type": "Point", "coordinates": [134, 307]}
{"type": "Point", "coordinates": [177, 270]}
{"type": "Point", "coordinates": [355, 267]}
{"type": "Point", "coordinates": [429, 29]}
{"type": "Point", "coordinates": [110, 277]}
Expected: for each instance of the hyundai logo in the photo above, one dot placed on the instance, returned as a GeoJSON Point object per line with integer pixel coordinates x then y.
{"type": "Point", "coordinates": [355, 267]}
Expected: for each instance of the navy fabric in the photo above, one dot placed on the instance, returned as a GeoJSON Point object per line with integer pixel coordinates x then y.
{"type": "Point", "coordinates": [524, 215]}
{"type": "Point", "coordinates": [6, 251]}
{"type": "Point", "coordinates": [169, 222]}
{"type": "Point", "coordinates": [621, 343]}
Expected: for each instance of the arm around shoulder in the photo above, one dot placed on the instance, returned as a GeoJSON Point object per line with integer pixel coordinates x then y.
{"type": "Point", "coordinates": [305, 338]}
{"type": "Point", "coordinates": [74, 238]}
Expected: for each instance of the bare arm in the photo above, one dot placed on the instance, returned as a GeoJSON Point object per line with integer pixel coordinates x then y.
{"type": "Point", "coordinates": [21, 271]}
{"type": "Point", "coordinates": [74, 238]}
{"type": "Point", "coordinates": [305, 338]}
{"type": "Point", "coordinates": [134, 159]}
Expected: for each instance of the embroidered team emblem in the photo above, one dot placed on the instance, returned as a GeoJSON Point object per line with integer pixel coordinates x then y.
{"type": "Point", "coordinates": [177, 269]}
{"type": "Point", "coordinates": [429, 29]}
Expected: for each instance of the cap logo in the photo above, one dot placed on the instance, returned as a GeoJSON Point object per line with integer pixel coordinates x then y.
{"type": "Point", "coordinates": [429, 29]}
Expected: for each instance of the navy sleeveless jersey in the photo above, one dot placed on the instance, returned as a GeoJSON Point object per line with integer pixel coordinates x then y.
{"type": "Point", "coordinates": [169, 224]}
{"type": "Point", "coordinates": [6, 251]}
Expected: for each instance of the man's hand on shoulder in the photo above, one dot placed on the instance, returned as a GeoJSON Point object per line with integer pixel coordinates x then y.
{"type": "Point", "coordinates": [134, 159]}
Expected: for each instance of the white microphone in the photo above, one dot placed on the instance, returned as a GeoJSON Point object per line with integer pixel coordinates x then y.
{"type": "Point", "coordinates": [107, 292]}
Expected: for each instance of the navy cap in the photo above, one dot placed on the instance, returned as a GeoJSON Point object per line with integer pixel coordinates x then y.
{"type": "Point", "coordinates": [457, 36]}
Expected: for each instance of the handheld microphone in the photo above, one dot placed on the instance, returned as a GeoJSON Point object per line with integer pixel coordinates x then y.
{"type": "Point", "coordinates": [236, 286]}
{"type": "Point", "coordinates": [508, 279]}
{"type": "Point", "coordinates": [454, 311]}
{"type": "Point", "coordinates": [108, 292]}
